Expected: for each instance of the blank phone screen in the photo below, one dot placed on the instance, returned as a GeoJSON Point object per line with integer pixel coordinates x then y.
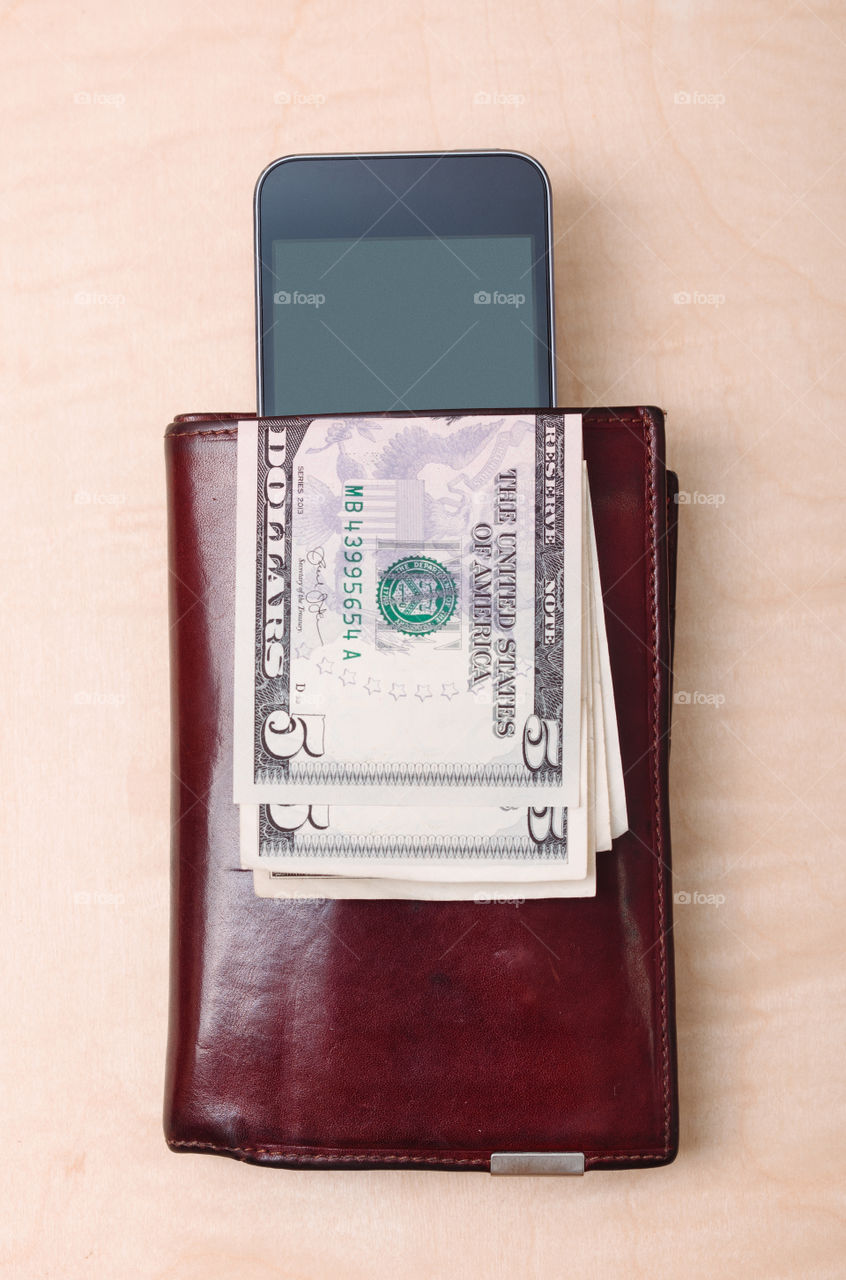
{"type": "Point", "coordinates": [414, 323]}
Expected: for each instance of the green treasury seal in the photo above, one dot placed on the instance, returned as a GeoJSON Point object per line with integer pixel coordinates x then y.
{"type": "Point", "coordinates": [417, 595]}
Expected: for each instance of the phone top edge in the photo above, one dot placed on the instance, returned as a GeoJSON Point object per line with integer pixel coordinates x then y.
{"type": "Point", "coordinates": [402, 155]}
{"type": "Point", "coordinates": [352, 155]}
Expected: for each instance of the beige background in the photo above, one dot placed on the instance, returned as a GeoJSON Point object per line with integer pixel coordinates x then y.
{"type": "Point", "coordinates": [693, 150]}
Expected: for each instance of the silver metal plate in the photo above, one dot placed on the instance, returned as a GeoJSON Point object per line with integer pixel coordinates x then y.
{"type": "Point", "coordinates": [538, 1163]}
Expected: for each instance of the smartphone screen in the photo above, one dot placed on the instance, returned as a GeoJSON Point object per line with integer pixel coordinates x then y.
{"type": "Point", "coordinates": [414, 282]}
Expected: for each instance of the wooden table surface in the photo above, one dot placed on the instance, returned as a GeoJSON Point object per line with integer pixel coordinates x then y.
{"type": "Point", "coordinates": [697, 156]}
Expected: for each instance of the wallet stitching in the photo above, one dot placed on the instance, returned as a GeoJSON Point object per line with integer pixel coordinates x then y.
{"type": "Point", "coordinates": [656, 789]}
{"type": "Point", "coordinates": [651, 504]}
{"type": "Point", "coordinates": [658, 829]}
{"type": "Point", "coordinates": [343, 1157]}
{"type": "Point", "coordinates": [375, 1156]}
{"type": "Point", "coordinates": [204, 431]}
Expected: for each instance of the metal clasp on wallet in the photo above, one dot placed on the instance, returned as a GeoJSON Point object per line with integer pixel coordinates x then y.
{"type": "Point", "coordinates": [538, 1163]}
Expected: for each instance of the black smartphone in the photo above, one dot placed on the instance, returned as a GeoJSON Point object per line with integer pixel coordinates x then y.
{"type": "Point", "coordinates": [418, 281]}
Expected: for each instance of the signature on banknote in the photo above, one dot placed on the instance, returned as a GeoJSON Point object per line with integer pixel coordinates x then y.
{"type": "Point", "coordinates": [316, 595]}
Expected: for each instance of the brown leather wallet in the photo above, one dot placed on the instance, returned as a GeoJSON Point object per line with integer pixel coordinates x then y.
{"type": "Point", "coordinates": [357, 1034]}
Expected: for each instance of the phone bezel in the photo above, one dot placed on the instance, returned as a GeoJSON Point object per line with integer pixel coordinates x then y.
{"type": "Point", "coordinates": [500, 211]}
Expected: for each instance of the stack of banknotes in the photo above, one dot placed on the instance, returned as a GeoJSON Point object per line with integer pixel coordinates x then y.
{"type": "Point", "coordinates": [423, 696]}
